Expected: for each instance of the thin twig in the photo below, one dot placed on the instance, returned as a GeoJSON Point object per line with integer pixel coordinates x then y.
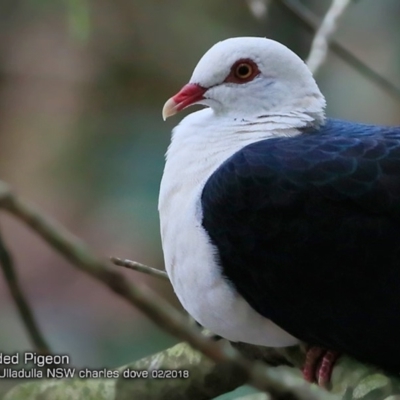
{"type": "Point", "coordinates": [136, 266]}
{"type": "Point", "coordinates": [35, 335]}
{"type": "Point", "coordinates": [319, 47]}
{"type": "Point", "coordinates": [309, 21]}
{"type": "Point", "coordinates": [157, 309]}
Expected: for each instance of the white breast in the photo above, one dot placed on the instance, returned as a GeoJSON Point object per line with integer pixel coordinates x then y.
{"type": "Point", "coordinates": [190, 258]}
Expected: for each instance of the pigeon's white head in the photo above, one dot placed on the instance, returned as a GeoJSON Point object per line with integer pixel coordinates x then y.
{"type": "Point", "coordinates": [248, 77]}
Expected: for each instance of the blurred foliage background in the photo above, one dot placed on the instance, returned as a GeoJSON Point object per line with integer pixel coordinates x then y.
{"type": "Point", "coordinates": [82, 84]}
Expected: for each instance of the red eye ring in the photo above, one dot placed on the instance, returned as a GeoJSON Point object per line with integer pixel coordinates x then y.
{"type": "Point", "coordinates": [242, 71]}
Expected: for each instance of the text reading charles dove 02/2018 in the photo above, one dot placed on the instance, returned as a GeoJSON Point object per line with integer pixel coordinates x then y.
{"type": "Point", "coordinates": [31, 365]}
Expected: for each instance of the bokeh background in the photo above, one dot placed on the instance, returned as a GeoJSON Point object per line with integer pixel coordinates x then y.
{"type": "Point", "coordinates": [82, 85]}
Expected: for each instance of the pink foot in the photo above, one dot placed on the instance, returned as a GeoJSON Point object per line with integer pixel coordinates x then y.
{"type": "Point", "coordinates": [319, 365]}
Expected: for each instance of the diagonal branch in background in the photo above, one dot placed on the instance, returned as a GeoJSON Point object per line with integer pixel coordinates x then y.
{"type": "Point", "coordinates": [35, 335]}
{"type": "Point", "coordinates": [319, 47]}
{"type": "Point", "coordinates": [276, 383]}
{"type": "Point", "coordinates": [136, 266]}
{"type": "Point", "coordinates": [309, 21]}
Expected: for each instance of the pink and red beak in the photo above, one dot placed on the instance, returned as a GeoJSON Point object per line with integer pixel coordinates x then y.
{"type": "Point", "coordinates": [188, 95]}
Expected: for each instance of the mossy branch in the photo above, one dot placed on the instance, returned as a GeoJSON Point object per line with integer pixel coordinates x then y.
{"type": "Point", "coordinates": [350, 381]}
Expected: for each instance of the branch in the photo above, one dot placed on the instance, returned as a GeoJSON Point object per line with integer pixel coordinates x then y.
{"type": "Point", "coordinates": [164, 315]}
{"type": "Point", "coordinates": [136, 266]}
{"type": "Point", "coordinates": [206, 381]}
{"type": "Point", "coordinates": [350, 380]}
{"type": "Point", "coordinates": [309, 21]}
{"type": "Point", "coordinates": [319, 47]}
{"type": "Point", "coordinates": [24, 310]}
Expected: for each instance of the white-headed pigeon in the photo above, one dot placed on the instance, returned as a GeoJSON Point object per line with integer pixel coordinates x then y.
{"type": "Point", "coordinates": [279, 225]}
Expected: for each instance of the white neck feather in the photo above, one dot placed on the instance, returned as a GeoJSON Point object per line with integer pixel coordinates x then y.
{"type": "Point", "coordinates": [204, 140]}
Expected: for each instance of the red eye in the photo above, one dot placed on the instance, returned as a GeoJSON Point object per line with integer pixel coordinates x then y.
{"type": "Point", "coordinates": [243, 71]}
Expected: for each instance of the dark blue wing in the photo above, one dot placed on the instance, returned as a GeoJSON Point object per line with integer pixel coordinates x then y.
{"type": "Point", "coordinates": [308, 232]}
